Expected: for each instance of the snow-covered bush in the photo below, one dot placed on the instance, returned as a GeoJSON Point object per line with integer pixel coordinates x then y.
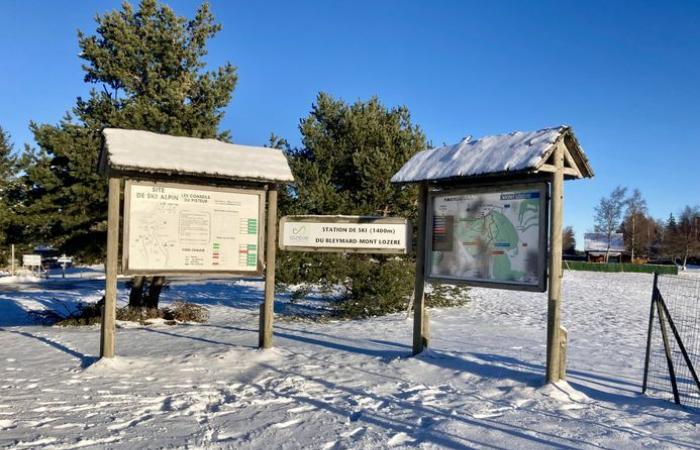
{"type": "Point", "coordinates": [91, 314]}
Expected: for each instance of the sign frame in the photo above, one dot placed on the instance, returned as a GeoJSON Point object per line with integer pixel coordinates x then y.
{"type": "Point", "coordinates": [348, 220]}
{"type": "Point", "coordinates": [258, 272]}
{"type": "Point", "coordinates": [543, 249]}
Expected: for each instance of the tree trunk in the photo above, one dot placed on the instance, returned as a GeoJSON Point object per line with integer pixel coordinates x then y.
{"type": "Point", "coordinates": [156, 286]}
{"type": "Point", "coordinates": [633, 235]}
{"type": "Point", "coordinates": [136, 293]}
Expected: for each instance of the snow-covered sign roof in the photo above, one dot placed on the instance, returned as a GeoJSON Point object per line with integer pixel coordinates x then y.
{"type": "Point", "coordinates": [598, 242]}
{"type": "Point", "coordinates": [518, 152]}
{"type": "Point", "coordinates": [144, 151]}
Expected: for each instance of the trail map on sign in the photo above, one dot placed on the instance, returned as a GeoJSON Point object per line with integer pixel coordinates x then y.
{"type": "Point", "coordinates": [489, 237]}
{"type": "Point", "coordinates": [183, 229]}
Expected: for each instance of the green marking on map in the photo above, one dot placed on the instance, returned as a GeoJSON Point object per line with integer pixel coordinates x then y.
{"type": "Point", "coordinates": [529, 206]}
{"type": "Point", "coordinates": [502, 270]}
{"type": "Point", "coordinates": [252, 258]}
{"type": "Point", "coordinates": [252, 226]}
{"type": "Point", "coordinates": [488, 233]}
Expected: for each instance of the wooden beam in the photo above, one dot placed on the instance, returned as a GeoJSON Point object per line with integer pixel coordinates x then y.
{"type": "Point", "coordinates": [420, 318]}
{"type": "Point", "coordinates": [267, 308]}
{"type": "Point", "coordinates": [570, 161]}
{"type": "Point", "coordinates": [109, 309]}
{"type": "Point", "coordinates": [549, 168]}
{"type": "Point", "coordinates": [554, 362]}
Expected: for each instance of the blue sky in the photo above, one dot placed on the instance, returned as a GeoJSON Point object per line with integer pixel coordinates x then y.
{"type": "Point", "coordinates": [624, 75]}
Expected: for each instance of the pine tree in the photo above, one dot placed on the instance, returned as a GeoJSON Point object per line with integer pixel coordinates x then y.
{"type": "Point", "coordinates": [8, 168]}
{"type": "Point", "coordinates": [634, 214]}
{"type": "Point", "coordinates": [149, 65]}
{"type": "Point", "coordinates": [147, 69]}
{"type": "Point", "coordinates": [349, 153]}
{"type": "Point", "coordinates": [65, 204]}
{"type": "Point", "coordinates": [671, 239]}
{"type": "Point", "coordinates": [568, 241]}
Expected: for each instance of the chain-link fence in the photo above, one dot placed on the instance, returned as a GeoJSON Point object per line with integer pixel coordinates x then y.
{"type": "Point", "coordinates": [673, 344]}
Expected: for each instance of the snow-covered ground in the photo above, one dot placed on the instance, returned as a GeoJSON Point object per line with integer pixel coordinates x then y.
{"type": "Point", "coordinates": [347, 384]}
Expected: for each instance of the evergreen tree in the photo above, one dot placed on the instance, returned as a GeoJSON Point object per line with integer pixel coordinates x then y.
{"type": "Point", "coordinates": [349, 153]}
{"type": "Point", "coordinates": [671, 239]}
{"type": "Point", "coordinates": [66, 203]}
{"type": "Point", "coordinates": [149, 65]}
{"type": "Point", "coordinates": [8, 168]}
{"type": "Point", "coordinates": [568, 241]}
{"type": "Point", "coordinates": [348, 156]}
{"type": "Point", "coordinates": [147, 69]}
{"type": "Point", "coordinates": [635, 213]}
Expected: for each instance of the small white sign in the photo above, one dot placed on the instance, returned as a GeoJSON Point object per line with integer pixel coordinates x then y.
{"type": "Point", "coordinates": [31, 260]}
{"type": "Point", "coordinates": [357, 234]}
{"type": "Point", "coordinates": [65, 260]}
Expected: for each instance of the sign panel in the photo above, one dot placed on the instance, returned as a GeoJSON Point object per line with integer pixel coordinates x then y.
{"type": "Point", "coordinates": [179, 228]}
{"type": "Point", "coordinates": [358, 234]}
{"type": "Point", "coordinates": [65, 260]}
{"type": "Point", "coordinates": [31, 260]}
{"type": "Point", "coordinates": [491, 237]}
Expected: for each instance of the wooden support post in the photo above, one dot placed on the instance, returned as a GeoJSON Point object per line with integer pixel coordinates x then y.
{"type": "Point", "coordinates": [420, 318]}
{"type": "Point", "coordinates": [267, 308]}
{"type": "Point", "coordinates": [563, 343]}
{"type": "Point", "coordinates": [555, 270]}
{"type": "Point", "coordinates": [109, 309]}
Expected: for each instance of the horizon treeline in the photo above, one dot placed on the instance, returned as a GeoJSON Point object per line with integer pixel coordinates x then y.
{"type": "Point", "coordinates": [673, 239]}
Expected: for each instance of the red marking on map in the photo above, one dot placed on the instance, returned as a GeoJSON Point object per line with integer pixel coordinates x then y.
{"type": "Point", "coordinates": [498, 252]}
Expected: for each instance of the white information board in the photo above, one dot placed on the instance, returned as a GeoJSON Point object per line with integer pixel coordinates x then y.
{"type": "Point", "coordinates": [31, 260]}
{"type": "Point", "coordinates": [359, 234]}
{"type": "Point", "coordinates": [179, 228]}
{"type": "Point", "coordinates": [489, 237]}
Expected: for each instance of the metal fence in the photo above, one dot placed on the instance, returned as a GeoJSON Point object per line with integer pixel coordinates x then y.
{"type": "Point", "coordinates": [673, 340]}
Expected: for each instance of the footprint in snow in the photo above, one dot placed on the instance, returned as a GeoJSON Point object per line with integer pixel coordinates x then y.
{"type": "Point", "coordinates": [287, 424]}
{"type": "Point", "coordinates": [357, 432]}
{"type": "Point", "coordinates": [301, 409]}
{"type": "Point", "coordinates": [400, 439]}
{"type": "Point", "coordinates": [491, 413]}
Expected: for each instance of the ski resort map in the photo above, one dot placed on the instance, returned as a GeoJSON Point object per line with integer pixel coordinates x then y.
{"type": "Point", "coordinates": [495, 237]}
{"type": "Point", "coordinates": [180, 228]}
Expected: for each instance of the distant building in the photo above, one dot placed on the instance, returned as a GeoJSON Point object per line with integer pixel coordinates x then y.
{"type": "Point", "coordinates": [49, 256]}
{"type": "Point", "coordinates": [596, 245]}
